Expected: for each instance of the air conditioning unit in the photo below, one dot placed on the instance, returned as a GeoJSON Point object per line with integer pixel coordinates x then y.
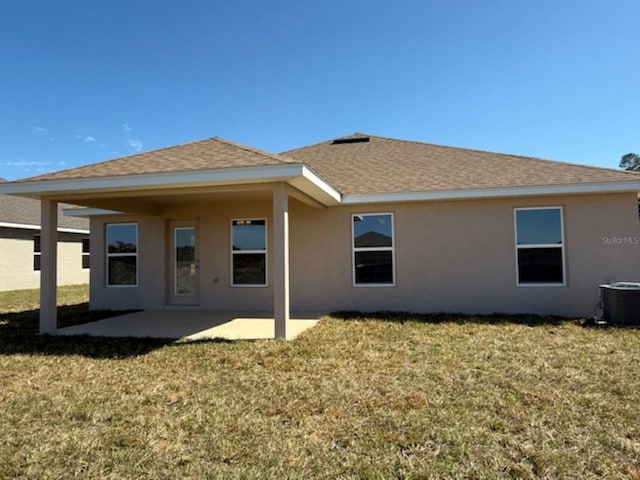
{"type": "Point", "coordinates": [621, 303]}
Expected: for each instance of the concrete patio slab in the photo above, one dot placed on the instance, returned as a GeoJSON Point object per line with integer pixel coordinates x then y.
{"type": "Point", "coordinates": [192, 325]}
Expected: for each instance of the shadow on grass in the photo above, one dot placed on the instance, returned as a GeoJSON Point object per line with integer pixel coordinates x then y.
{"type": "Point", "coordinates": [459, 318]}
{"type": "Point", "coordinates": [19, 335]}
{"type": "Point", "coordinates": [19, 331]}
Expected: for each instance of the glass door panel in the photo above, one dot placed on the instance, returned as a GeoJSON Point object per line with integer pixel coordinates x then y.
{"type": "Point", "coordinates": [185, 261]}
{"type": "Point", "coordinates": [183, 277]}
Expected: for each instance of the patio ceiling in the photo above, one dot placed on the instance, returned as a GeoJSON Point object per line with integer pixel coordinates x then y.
{"type": "Point", "coordinates": [157, 202]}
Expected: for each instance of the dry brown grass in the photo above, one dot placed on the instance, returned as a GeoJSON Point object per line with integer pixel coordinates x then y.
{"type": "Point", "coordinates": [25, 300]}
{"type": "Point", "coordinates": [470, 398]}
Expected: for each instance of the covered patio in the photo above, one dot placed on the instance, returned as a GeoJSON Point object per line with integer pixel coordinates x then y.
{"type": "Point", "coordinates": [192, 325]}
{"type": "Point", "coordinates": [203, 226]}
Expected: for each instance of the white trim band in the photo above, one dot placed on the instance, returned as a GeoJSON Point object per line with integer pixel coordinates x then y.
{"type": "Point", "coordinates": [570, 189]}
{"type": "Point", "coordinates": [297, 174]}
{"type": "Point", "coordinates": [27, 226]}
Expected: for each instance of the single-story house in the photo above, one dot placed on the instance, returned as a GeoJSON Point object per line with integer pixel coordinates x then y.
{"type": "Point", "coordinates": [20, 245]}
{"type": "Point", "coordinates": [360, 222]}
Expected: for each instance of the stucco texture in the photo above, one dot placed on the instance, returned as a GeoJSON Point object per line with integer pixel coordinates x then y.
{"type": "Point", "coordinates": [453, 256]}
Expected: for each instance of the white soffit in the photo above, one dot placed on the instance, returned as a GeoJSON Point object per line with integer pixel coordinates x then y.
{"type": "Point", "coordinates": [88, 212]}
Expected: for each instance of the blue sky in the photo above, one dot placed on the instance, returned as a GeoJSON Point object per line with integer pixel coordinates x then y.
{"type": "Point", "coordinates": [83, 81]}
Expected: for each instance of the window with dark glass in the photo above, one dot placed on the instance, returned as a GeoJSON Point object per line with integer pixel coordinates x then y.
{"type": "Point", "coordinates": [85, 253]}
{"type": "Point", "coordinates": [36, 253]}
{"type": "Point", "coordinates": [122, 254]}
{"type": "Point", "coordinates": [539, 246]}
{"type": "Point", "coordinates": [372, 249]}
{"type": "Point", "coordinates": [249, 252]}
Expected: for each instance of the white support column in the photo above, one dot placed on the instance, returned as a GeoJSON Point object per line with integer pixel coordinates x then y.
{"type": "Point", "coordinates": [48, 265]}
{"type": "Point", "coordinates": [281, 259]}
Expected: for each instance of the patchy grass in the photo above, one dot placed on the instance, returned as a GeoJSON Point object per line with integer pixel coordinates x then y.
{"type": "Point", "coordinates": [25, 300]}
{"type": "Point", "coordinates": [400, 396]}
{"type": "Point", "coordinates": [19, 311]}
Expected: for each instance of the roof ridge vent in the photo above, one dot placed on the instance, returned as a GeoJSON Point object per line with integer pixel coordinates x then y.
{"type": "Point", "coordinates": [340, 141]}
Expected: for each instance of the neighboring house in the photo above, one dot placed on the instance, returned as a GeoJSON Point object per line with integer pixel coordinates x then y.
{"type": "Point", "coordinates": [359, 223]}
{"type": "Point", "coordinates": [20, 245]}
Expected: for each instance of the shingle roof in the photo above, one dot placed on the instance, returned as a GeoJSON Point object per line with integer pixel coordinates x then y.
{"type": "Point", "coordinates": [386, 165]}
{"type": "Point", "coordinates": [370, 165]}
{"type": "Point", "coordinates": [26, 211]}
{"type": "Point", "coordinates": [210, 153]}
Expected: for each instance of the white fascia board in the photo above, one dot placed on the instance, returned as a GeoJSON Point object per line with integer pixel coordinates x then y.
{"type": "Point", "coordinates": [572, 189]}
{"type": "Point", "coordinates": [314, 186]}
{"type": "Point", "coordinates": [295, 173]}
{"type": "Point", "coordinates": [26, 226]}
{"type": "Point", "coordinates": [148, 181]}
{"type": "Point", "coordinates": [88, 212]}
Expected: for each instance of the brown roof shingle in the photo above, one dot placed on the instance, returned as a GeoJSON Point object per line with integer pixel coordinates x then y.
{"type": "Point", "coordinates": [377, 165]}
{"type": "Point", "coordinates": [386, 165]}
{"type": "Point", "coordinates": [210, 153]}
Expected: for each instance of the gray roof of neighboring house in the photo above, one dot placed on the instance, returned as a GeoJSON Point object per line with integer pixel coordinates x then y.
{"type": "Point", "coordinates": [25, 211]}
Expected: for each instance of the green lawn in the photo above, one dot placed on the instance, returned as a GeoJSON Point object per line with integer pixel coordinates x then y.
{"type": "Point", "coordinates": [394, 397]}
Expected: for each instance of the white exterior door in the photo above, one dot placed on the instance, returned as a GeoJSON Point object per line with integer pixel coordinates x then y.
{"type": "Point", "coordinates": [185, 264]}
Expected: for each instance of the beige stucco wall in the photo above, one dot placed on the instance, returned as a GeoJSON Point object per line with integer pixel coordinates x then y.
{"type": "Point", "coordinates": [456, 256]}
{"type": "Point", "coordinates": [152, 292]}
{"type": "Point", "coordinates": [149, 294]}
{"type": "Point", "coordinates": [16, 260]}
{"type": "Point", "coordinates": [460, 257]}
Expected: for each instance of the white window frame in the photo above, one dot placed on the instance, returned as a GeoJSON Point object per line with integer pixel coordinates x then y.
{"type": "Point", "coordinates": [37, 253]}
{"type": "Point", "coordinates": [128, 254]}
{"type": "Point", "coordinates": [540, 245]}
{"type": "Point", "coordinates": [244, 252]}
{"type": "Point", "coordinates": [84, 254]}
{"type": "Point", "coordinates": [355, 249]}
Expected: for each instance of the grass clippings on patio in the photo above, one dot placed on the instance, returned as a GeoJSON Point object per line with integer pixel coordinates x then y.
{"type": "Point", "coordinates": [355, 398]}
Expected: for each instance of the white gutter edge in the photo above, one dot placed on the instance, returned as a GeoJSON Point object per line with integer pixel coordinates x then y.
{"type": "Point", "coordinates": [316, 180]}
{"type": "Point", "coordinates": [292, 173]}
{"type": "Point", "coordinates": [265, 174]}
{"type": "Point", "coordinates": [26, 226]}
{"type": "Point", "coordinates": [229, 176]}
{"type": "Point", "coordinates": [604, 187]}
